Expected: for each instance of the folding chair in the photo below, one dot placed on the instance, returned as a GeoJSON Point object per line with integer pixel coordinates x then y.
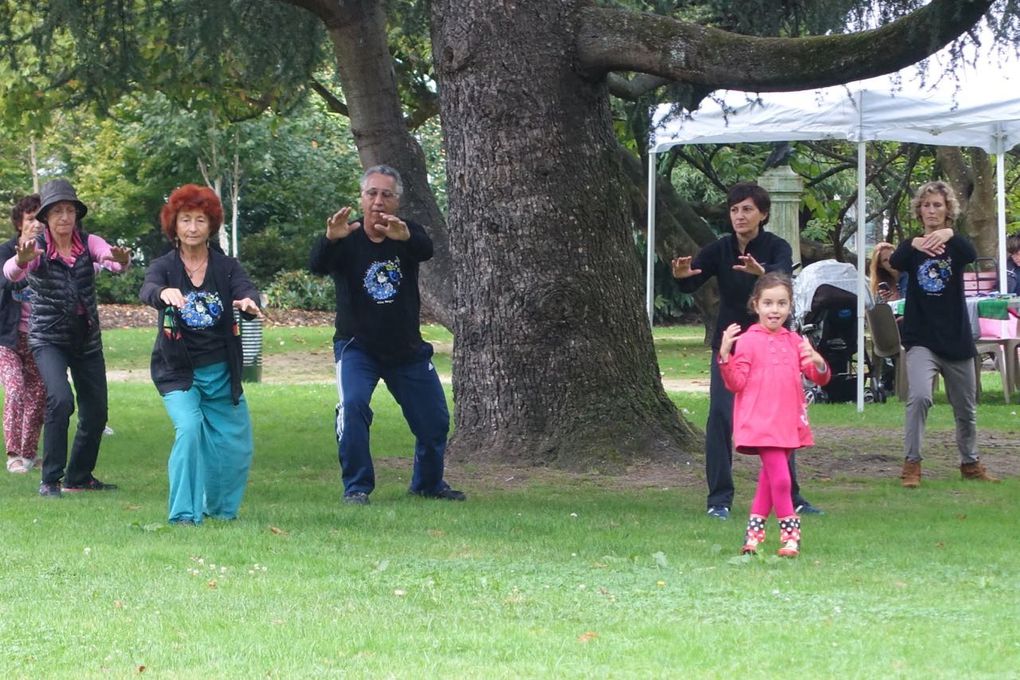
{"type": "Point", "coordinates": [885, 342]}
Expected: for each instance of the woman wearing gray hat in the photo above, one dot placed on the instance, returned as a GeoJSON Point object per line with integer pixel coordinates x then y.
{"type": "Point", "coordinates": [63, 333]}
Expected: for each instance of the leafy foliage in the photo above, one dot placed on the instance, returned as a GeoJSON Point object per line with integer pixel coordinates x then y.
{"type": "Point", "coordinates": [300, 289]}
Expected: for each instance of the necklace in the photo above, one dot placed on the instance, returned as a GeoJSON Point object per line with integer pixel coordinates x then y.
{"type": "Point", "coordinates": [192, 271]}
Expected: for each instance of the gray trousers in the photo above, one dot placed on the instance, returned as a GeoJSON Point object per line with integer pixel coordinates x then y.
{"type": "Point", "coordinates": [961, 388]}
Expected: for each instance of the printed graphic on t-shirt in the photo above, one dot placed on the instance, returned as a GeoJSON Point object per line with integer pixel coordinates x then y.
{"type": "Point", "coordinates": [201, 309]}
{"type": "Point", "coordinates": [382, 280]}
{"type": "Point", "coordinates": [933, 274]}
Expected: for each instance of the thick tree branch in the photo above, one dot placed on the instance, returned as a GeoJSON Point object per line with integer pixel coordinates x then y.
{"type": "Point", "coordinates": [333, 103]}
{"type": "Point", "coordinates": [623, 40]}
{"type": "Point", "coordinates": [632, 88]}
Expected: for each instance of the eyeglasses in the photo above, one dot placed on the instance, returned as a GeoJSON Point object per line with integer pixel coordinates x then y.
{"type": "Point", "coordinates": [385, 193]}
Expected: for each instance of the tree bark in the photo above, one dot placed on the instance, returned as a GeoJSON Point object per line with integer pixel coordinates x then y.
{"type": "Point", "coordinates": [974, 184]}
{"type": "Point", "coordinates": [553, 358]}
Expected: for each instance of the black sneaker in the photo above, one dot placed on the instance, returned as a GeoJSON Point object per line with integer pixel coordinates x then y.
{"type": "Point", "coordinates": [446, 494]}
{"type": "Point", "coordinates": [183, 522]}
{"type": "Point", "coordinates": [47, 490]}
{"type": "Point", "coordinates": [92, 484]}
{"type": "Point", "coordinates": [356, 498]}
{"type": "Point", "coordinates": [806, 508]}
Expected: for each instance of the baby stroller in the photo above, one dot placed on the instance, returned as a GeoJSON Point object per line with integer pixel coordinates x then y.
{"type": "Point", "coordinates": [825, 312]}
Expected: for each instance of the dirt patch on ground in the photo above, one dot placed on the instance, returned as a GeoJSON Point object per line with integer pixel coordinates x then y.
{"type": "Point", "coordinates": [841, 456]}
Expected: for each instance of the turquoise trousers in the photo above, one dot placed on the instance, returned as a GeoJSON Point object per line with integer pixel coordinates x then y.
{"type": "Point", "coordinates": [212, 450]}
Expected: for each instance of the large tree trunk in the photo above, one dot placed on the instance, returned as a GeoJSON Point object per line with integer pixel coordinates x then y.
{"type": "Point", "coordinates": [358, 33]}
{"type": "Point", "coordinates": [553, 358]}
{"type": "Point", "coordinates": [974, 183]}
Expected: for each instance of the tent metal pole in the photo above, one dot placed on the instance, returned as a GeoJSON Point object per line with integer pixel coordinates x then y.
{"type": "Point", "coordinates": [1000, 204]}
{"type": "Point", "coordinates": [650, 242]}
{"type": "Point", "coordinates": [862, 216]}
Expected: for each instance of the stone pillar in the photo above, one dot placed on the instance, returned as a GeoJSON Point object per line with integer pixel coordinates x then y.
{"type": "Point", "coordinates": [785, 187]}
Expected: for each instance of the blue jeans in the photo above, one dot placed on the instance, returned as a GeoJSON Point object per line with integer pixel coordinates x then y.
{"type": "Point", "coordinates": [416, 388]}
{"type": "Point", "coordinates": [213, 447]}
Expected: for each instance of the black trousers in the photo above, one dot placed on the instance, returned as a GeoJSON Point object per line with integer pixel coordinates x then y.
{"type": "Point", "coordinates": [88, 371]}
{"type": "Point", "coordinates": [719, 446]}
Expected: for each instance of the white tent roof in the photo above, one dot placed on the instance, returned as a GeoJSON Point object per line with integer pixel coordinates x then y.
{"type": "Point", "coordinates": [857, 115]}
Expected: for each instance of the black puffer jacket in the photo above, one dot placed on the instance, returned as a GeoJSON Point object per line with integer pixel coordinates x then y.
{"type": "Point", "coordinates": [170, 364]}
{"type": "Point", "coordinates": [60, 294]}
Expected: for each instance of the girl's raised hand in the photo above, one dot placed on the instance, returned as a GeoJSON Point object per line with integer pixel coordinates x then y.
{"type": "Point", "coordinates": [729, 336]}
{"type": "Point", "coordinates": [808, 354]}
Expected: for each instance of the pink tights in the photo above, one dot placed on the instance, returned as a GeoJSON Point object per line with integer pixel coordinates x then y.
{"type": "Point", "coordinates": [773, 484]}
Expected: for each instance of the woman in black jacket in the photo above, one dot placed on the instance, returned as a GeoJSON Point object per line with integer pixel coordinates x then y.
{"type": "Point", "coordinates": [24, 390]}
{"type": "Point", "coordinates": [63, 333]}
{"type": "Point", "coordinates": [196, 362]}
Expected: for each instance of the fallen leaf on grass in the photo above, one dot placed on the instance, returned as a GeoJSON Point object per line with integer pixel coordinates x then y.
{"type": "Point", "coordinates": [277, 531]}
{"type": "Point", "coordinates": [211, 584]}
{"type": "Point", "coordinates": [587, 636]}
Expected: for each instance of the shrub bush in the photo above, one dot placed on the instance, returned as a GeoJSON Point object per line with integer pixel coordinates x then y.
{"type": "Point", "coordinates": [300, 289]}
{"type": "Point", "coordinates": [120, 289]}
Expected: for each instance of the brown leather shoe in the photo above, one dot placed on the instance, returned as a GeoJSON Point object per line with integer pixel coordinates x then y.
{"type": "Point", "coordinates": [976, 471]}
{"type": "Point", "coordinates": [911, 474]}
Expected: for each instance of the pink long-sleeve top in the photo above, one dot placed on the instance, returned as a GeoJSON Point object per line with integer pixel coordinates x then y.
{"type": "Point", "coordinates": [764, 373]}
{"type": "Point", "coordinates": [99, 250]}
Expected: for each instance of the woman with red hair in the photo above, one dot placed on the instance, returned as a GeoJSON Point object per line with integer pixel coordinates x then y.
{"type": "Point", "coordinates": [196, 362]}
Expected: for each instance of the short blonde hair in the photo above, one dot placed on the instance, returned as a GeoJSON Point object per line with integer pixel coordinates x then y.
{"type": "Point", "coordinates": [952, 205]}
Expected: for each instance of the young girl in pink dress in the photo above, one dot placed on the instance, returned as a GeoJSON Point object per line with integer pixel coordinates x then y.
{"type": "Point", "coordinates": [763, 371]}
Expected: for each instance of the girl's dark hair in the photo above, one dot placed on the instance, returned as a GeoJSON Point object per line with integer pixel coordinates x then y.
{"type": "Point", "coordinates": [770, 280]}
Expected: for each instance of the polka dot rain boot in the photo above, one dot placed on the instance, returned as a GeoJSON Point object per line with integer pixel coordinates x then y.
{"type": "Point", "coordinates": [754, 536]}
{"type": "Point", "coordinates": [789, 536]}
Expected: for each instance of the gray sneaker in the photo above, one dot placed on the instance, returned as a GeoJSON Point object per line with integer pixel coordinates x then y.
{"type": "Point", "coordinates": [356, 498]}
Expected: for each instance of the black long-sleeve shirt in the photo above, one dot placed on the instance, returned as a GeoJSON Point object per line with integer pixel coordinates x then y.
{"type": "Point", "coordinates": [718, 259]}
{"type": "Point", "coordinates": [934, 311]}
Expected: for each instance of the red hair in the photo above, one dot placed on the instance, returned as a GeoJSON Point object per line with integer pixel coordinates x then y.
{"type": "Point", "coordinates": [191, 197]}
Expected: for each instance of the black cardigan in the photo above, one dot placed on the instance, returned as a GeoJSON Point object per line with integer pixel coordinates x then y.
{"type": "Point", "coordinates": [170, 364]}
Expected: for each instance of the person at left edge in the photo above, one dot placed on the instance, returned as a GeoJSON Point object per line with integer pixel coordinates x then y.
{"type": "Point", "coordinates": [374, 261]}
{"type": "Point", "coordinates": [24, 391]}
{"type": "Point", "coordinates": [196, 362]}
{"type": "Point", "coordinates": [61, 265]}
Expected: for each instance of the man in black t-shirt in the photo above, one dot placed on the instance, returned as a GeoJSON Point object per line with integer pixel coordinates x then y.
{"type": "Point", "coordinates": [736, 260]}
{"type": "Point", "coordinates": [374, 264]}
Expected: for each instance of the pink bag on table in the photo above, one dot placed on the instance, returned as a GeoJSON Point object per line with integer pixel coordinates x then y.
{"type": "Point", "coordinates": [998, 328]}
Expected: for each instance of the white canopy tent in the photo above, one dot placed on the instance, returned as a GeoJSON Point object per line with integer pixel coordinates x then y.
{"type": "Point", "coordinates": [989, 119]}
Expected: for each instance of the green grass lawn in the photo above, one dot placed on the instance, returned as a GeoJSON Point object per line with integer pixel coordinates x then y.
{"type": "Point", "coordinates": [546, 575]}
